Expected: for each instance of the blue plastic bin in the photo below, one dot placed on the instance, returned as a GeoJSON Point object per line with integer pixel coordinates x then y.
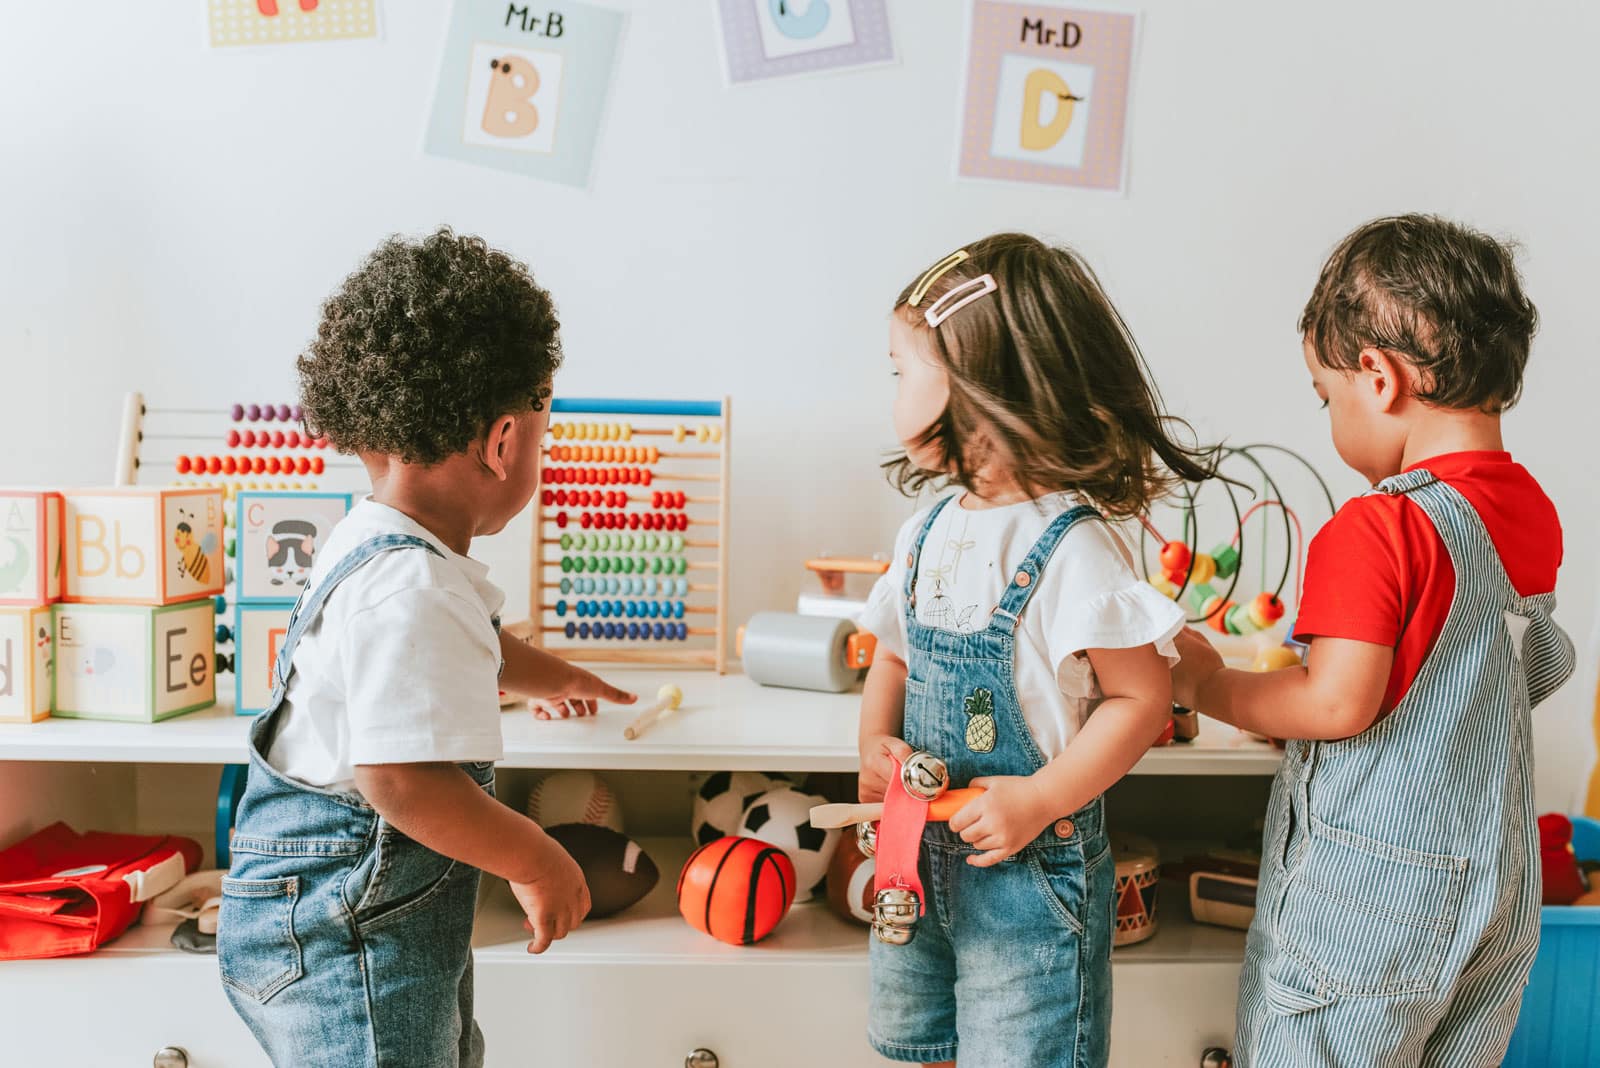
{"type": "Point", "coordinates": [1559, 1026]}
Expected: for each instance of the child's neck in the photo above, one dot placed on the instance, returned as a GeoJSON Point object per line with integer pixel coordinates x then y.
{"type": "Point", "coordinates": [990, 490]}
{"type": "Point", "coordinates": [1439, 431]}
{"type": "Point", "coordinates": [434, 497]}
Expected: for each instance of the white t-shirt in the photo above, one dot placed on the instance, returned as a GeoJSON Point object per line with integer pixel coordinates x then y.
{"type": "Point", "coordinates": [1088, 597]}
{"type": "Point", "coordinates": [401, 667]}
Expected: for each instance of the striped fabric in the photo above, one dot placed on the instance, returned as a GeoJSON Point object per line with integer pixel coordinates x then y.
{"type": "Point", "coordinates": [1398, 911]}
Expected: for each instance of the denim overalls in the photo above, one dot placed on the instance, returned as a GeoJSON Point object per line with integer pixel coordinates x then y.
{"type": "Point", "coordinates": [341, 941]}
{"type": "Point", "coordinates": [1398, 912]}
{"type": "Point", "coordinates": [1011, 963]}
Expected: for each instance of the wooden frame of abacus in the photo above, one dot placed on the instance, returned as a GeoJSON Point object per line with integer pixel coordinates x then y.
{"type": "Point", "coordinates": [672, 444]}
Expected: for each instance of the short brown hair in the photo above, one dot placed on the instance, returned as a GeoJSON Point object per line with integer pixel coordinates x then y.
{"type": "Point", "coordinates": [426, 344]}
{"type": "Point", "coordinates": [1047, 368]}
{"type": "Point", "coordinates": [1444, 297]}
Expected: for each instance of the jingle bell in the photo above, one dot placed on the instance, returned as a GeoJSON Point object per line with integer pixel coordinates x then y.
{"type": "Point", "coordinates": [924, 776]}
{"type": "Point", "coordinates": [894, 915]}
{"type": "Point", "coordinates": [893, 936]}
{"type": "Point", "coordinates": [867, 839]}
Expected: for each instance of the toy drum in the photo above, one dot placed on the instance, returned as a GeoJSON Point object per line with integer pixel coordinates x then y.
{"type": "Point", "coordinates": [1138, 872]}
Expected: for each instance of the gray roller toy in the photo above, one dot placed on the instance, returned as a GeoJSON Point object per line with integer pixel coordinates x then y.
{"type": "Point", "coordinates": [804, 652]}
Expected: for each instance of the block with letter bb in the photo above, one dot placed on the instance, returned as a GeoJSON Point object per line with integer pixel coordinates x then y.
{"type": "Point", "coordinates": [27, 662]}
{"type": "Point", "coordinates": [279, 535]}
{"type": "Point", "coordinates": [30, 547]}
{"type": "Point", "coordinates": [135, 662]}
{"type": "Point", "coordinates": [257, 637]}
{"type": "Point", "coordinates": [143, 546]}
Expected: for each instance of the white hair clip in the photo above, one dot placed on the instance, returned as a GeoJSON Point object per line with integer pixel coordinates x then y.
{"type": "Point", "coordinates": [959, 297]}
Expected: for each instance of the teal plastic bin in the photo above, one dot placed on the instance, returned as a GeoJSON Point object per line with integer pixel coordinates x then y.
{"type": "Point", "coordinates": [1559, 1026]}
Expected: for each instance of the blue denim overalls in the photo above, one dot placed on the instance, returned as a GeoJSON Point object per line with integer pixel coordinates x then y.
{"type": "Point", "coordinates": [341, 941]}
{"type": "Point", "coordinates": [1011, 963]}
{"type": "Point", "coordinates": [1398, 912]}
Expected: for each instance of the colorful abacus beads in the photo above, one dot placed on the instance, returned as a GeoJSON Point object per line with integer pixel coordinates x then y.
{"type": "Point", "coordinates": [246, 465]}
{"type": "Point", "coordinates": [702, 433]}
{"type": "Point", "coordinates": [628, 587]}
{"type": "Point", "coordinates": [598, 476]}
{"type": "Point", "coordinates": [605, 454]}
{"type": "Point", "coordinates": [1266, 610]}
{"type": "Point", "coordinates": [632, 631]}
{"type": "Point", "coordinates": [622, 609]}
{"type": "Point", "coordinates": [1226, 557]}
{"type": "Point", "coordinates": [1175, 557]}
{"type": "Point", "coordinates": [624, 565]}
{"type": "Point", "coordinates": [625, 520]}
{"type": "Point", "coordinates": [592, 431]}
{"type": "Point", "coordinates": [650, 543]}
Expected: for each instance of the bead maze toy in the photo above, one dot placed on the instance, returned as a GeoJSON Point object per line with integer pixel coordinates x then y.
{"type": "Point", "coordinates": [630, 550]}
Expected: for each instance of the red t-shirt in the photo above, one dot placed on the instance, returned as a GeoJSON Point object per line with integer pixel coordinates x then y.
{"type": "Point", "coordinates": [1378, 572]}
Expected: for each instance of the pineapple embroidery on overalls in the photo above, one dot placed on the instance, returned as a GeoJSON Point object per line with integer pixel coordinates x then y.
{"type": "Point", "coordinates": [980, 721]}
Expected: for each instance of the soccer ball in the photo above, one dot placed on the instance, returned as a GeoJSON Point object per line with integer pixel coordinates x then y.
{"type": "Point", "coordinates": [782, 817]}
{"type": "Point", "coordinates": [722, 799]}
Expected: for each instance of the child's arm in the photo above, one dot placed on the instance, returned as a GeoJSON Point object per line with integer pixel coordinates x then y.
{"type": "Point", "coordinates": [562, 685]}
{"type": "Point", "coordinates": [439, 806]}
{"type": "Point", "coordinates": [1138, 703]}
{"type": "Point", "coordinates": [1337, 694]}
{"type": "Point", "coordinates": [883, 713]}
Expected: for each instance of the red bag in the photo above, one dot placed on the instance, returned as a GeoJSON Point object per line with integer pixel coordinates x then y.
{"type": "Point", "coordinates": [62, 892]}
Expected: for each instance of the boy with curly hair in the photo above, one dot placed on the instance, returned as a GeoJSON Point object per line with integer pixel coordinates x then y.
{"type": "Point", "coordinates": [347, 914]}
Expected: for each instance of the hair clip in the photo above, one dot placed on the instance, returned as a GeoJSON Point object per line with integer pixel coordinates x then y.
{"type": "Point", "coordinates": [934, 273]}
{"type": "Point", "coordinates": [967, 292]}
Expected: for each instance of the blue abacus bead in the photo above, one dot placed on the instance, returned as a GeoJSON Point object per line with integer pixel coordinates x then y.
{"type": "Point", "coordinates": [683, 587]}
{"type": "Point", "coordinates": [633, 631]}
{"type": "Point", "coordinates": [223, 633]}
{"type": "Point", "coordinates": [561, 608]}
{"type": "Point", "coordinates": [677, 609]}
{"type": "Point", "coordinates": [566, 585]}
{"type": "Point", "coordinates": [633, 609]}
{"type": "Point", "coordinates": [572, 630]}
{"type": "Point", "coordinates": [659, 630]}
{"type": "Point", "coordinates": [615, 630]}
{"type": "Point", "coordinates": [683, 631]}
{"type": "Point", "coordinates": [583, 630]}
{"type": "Point", "coordinates": [581, 609]}
{"type": "Point", "coordinates": [221, 603]}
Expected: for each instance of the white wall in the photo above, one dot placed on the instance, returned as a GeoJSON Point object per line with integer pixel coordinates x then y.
{"type": "Point", "coordinates": [172, 217]}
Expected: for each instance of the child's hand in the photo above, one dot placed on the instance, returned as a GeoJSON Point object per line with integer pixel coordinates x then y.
{"type": "Point", "coordinates": [555, 902]}
{"type": "Point", "coordinates": [578, 695]}
{"type": "Point", "coordinates": [1009, 815]}
{"type": "Point", "coordinates": [878, 754]}
{"type": "Point", "coordinates": [1199, 662]}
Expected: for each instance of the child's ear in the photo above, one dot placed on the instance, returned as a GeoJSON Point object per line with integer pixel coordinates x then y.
{"type": "Point", "coordinates": [499, 446]}
{"type": "Point", "coordinates": [1383, 378]}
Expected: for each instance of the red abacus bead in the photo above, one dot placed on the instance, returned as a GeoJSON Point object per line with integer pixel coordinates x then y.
{"type": "Point", "coordinates": [586, 521]}
{"type": "Point", "coordinates": [214, 465]}
{"type": "Point", "coordinates": [316, 465]}
{"type": "Point", "coordinates": [277, 439]}
{"type": "Point", "coordinates": [1175, 557]}
{"type": "Point", "coordinates": [233, 439]}
{"type": "Point", "coordinates": [1268, 607]}
{"type": "Point", "coordinates": [561, 519]}
{"type": "Point", "coordinates": [322, 443]}
{"type": "Point", "coordinates": [683, 499]}
{"type": "Point", "coordinates": [645, 476]}
{"type": "Point", "coordinates": [680, 521]}
{"type": "Point", "coordinates": [183, 465]}
{"type": "Point", "coordinates": [615, 521]}
{"type": "Point", "coordinates": [655, 499]}
{"type": "Point", "coordinates": [633, 520]}
{"type": "Point", "coordinates": [292, 439]}
{"type": "Point", "coordinates": [248, 438]}
{"type": "Point", "coordinates": [302, 465]}
{"type": "Point", "coordinates": [229, 465]}
{"type": "Point", "coordinates": [275, 466]}
{"type": "Point", "coordinates": [547, 498]}
{"type": "Point", "coordinates": [591, 476]}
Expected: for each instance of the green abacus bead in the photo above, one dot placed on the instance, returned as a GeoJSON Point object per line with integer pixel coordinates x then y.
{"type": "Point", "coordinates": [677, 543]}
{"type": "Point", "coordinates": [566, 565]}
{"type": "Point", "coordinates": [628, 542]}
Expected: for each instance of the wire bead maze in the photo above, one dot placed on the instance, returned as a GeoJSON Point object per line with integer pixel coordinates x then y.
{"type": "Point", "coordinates": [232, 448]}
{"type": "Point", "coordinates": [1192, 577]}
{"type": "Point", "coordinates": [630, 528]}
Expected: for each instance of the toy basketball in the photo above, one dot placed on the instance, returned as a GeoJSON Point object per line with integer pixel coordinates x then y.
{"type": "Point", "coordinates": [618, 872]}
{"type": "Point", "coordinates": [1138, 872]}
{"type": "Point", "coordinates": [574, 797]}
{"type": "Point", "coordinates": [736, 890]}
{"type": "Point", "coordinates": [720, 802]}
{"type": "Point", "coordinates": [850, 876]}
{"type": "Point", "coordinates": [782, 817]}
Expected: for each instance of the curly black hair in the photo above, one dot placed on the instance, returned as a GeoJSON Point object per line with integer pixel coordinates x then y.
{"type": "Point", "coordinates": [424, 345]}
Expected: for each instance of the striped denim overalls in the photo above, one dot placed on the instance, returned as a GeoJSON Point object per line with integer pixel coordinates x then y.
{"type": "Point", "coordinates": [1398, 912]}
{"type": "Point", "coordinates": [342, 941]}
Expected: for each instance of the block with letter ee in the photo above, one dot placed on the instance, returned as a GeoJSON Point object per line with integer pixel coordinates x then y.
{"type": "Point", "coordinates": [135, 662]}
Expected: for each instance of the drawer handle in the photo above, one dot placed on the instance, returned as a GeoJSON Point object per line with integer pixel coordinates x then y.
{"type": "Point", "coordinates": [171, 1057]}
{"type": "Point", "coordinates": [701, 1058]}
{"type": "Point", "coordinates": [1216, 1057]}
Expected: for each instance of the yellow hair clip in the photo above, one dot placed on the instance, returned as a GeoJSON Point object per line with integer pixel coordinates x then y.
{"type": "Point", "coordinates": [934, 273]}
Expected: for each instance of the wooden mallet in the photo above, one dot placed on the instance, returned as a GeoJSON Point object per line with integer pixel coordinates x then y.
{"type": "Point", "coordinates": [668, 698]}
{"type": "Point", "coordinates": [940, 809]}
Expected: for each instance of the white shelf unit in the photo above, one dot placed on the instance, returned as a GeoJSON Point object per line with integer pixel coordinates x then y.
{"type": "Point", "coordinates": [798, 998]}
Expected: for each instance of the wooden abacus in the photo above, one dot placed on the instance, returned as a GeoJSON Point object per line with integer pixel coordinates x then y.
{"type": "Point", "coordinates": [630, 528]}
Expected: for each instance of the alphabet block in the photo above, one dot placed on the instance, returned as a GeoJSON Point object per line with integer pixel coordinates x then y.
{"type": "Point", "coordinates": [278, 537]}
{"type": "Point", "coordinates": [143, 546]}
{"type": "Point", "coordinates": [135, 662]}
{"type": "Point", "coordinates": [258, 634]}
{"type": "Point", "coordinates": [27, 662]}
{"type": "Point", "coordinates": [30, 547]}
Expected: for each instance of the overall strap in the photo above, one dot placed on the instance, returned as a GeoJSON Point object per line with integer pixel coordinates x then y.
{"type": "Point", "coordinates": [1457, 523]}
{"type": "Point", "coordinates": [1026, 580]}
{"type": "Point", "coordinates": [914, 558]}
{"type": "Point", "coordinates": [312, 599]}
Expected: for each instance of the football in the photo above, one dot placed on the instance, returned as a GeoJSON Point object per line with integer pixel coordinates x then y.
{"type": "Point", "coordinates": [573, 797]}
{"type": "Point", "coordinates": [782, 817]}
{"type": "Point", "coordinates": [850, 881]}
{"type": "Point", "coordinates": [618, 872]}
{"type": "Point", "coordinates": [722, 799]}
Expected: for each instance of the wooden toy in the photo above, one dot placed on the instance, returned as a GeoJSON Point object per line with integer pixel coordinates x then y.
{"type": "Point", "coordinates": [1138, 873]}
{"type": "Point", "coordinates": [145, 547]}
{"type": "Point", "coordinates": [618, 871]}
{"type": "Point", "coordinates": [940, 809]}
{"type": "Point", "coordinates": [30, 547]}
{"type": "Point", "coordinates": [276, 538]}
{"type": "Point", "coordinates": [720, 802]}
{"type": "Point", "coordinates": [1222, 887]}
{"type": "Point", "coordinates": [258, 634]}
{"type": "Point", "coordinates": [737, 890]}
{"type": "Point", "coordinates": [574, 797]}
{"type": "Point", "coordinates": [782, 817]}
{"type": "Point", "coordinates": [134, 662]}
{"type": "Point", "coordinates": [629, 521]}
{"type": "Point", "coordinates": [834, 596]}
{"type": "Point", "coordinates": [850, 878]}
{"type": "Point", "coordinates": [801, 652]}
{"type": "Point", "coordinates": [668, 698]}
{"type": "Point", "coordinates": [27, 663]}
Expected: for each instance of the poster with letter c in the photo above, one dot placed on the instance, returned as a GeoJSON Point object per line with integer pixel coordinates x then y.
{"type": "Point", "coordinates": [1047, 95]}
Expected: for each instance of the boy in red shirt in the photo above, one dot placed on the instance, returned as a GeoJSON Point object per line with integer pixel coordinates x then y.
{"type": "Point", "coordinates": [1398, 911]}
